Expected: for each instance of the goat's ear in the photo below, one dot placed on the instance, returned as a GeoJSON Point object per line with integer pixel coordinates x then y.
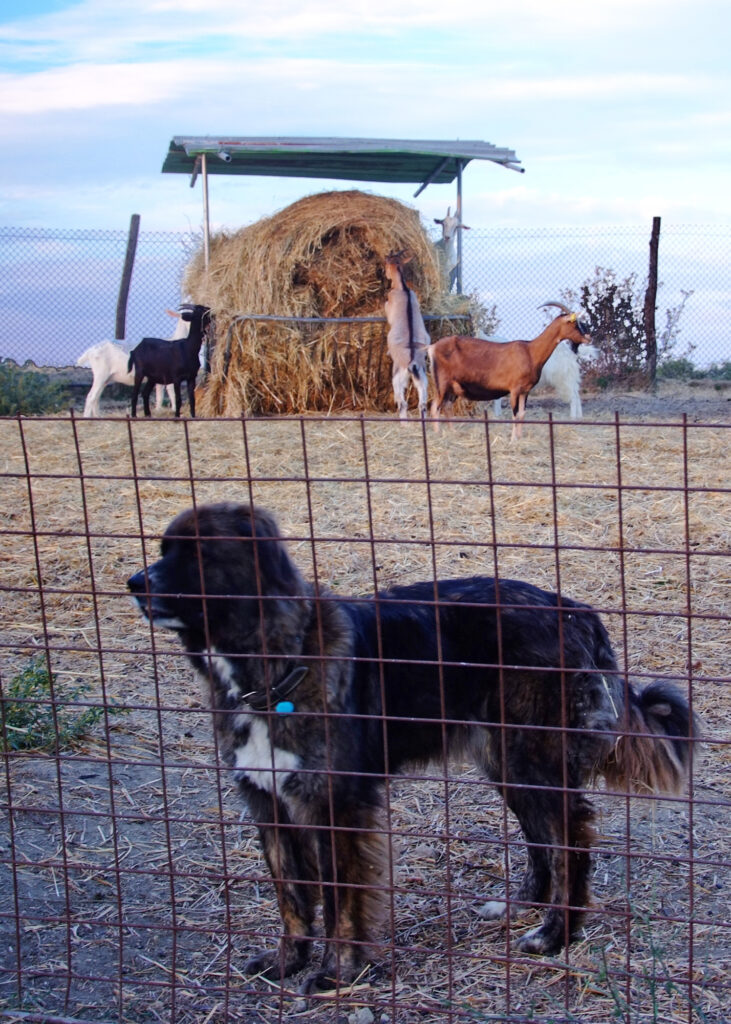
{"type": "Point", "coordinates": [437, 221]}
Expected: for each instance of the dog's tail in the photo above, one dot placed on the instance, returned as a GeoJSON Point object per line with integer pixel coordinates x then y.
{"type": "Point", "coordinates": [654, 748]}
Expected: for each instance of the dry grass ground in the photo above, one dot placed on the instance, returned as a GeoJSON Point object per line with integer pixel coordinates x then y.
{"type": "Point", "coordinates": [129, 887]}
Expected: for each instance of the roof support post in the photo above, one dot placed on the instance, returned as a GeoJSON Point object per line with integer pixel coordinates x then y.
{"type": "Point", "coordinates": [206, 218]}
{"type": "Point", "coordinates": [460, 165]}
{"type": "Point", "coordinates": [434, 174]}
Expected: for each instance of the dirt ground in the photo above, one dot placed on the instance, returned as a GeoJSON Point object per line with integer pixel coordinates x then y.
{"type": "Point", "coordinates": [131, 884]}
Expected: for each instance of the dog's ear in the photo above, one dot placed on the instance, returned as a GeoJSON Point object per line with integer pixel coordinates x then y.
{"type": "Point", "coordinates": [276, 569]}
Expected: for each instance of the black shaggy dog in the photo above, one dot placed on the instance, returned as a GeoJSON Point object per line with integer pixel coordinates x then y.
{"type": "Point", "coordinates": [317, 699]}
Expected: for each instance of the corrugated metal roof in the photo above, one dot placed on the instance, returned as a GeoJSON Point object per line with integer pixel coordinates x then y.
{"type": "Point", "coordinates": [404, 160]}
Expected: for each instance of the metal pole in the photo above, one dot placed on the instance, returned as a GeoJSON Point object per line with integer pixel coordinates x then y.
{"type": "Point", "coordinates": [459, 227]}
{"type": "Point", "coordinates": [206, 222]}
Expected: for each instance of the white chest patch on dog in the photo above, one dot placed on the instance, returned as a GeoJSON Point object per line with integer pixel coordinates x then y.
{"type": "Point", "coordinates": [259, 761]}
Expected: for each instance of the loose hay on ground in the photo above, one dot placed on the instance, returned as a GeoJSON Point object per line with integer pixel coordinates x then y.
{"type": "Point", "coordinates": [141, 801]}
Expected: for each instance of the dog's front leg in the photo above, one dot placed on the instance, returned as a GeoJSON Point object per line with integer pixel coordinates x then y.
{"type": "Point", "coordinates": [351, 868]}
{"type": "Point", "coordinates": [292, 860]}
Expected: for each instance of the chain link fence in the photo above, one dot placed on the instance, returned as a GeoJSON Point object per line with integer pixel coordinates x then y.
{"type": "Point", "coordinates": [516, 269]}
{"type": "Point", "coordinates": [59, 288]}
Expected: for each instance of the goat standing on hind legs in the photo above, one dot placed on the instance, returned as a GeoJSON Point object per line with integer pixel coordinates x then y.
{"type": "Point", "coordinates": [446, 247]}
{"type": "Point", "coordinates": [483, 370]}
{"type": "Point", "coordinates": [407, 336]}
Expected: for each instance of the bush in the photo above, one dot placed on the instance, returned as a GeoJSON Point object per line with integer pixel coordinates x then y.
{"type": "Point", "coordinates": [27, 720]}
{"type": "Point", "coordinates": [614, 308]}
{"type": "Point", "coordinates": [718, 371]}
{"type": "Point", "coordinates": [28, 392]}
{"type": "Point", "coordinates": [684, 369]}
{"type": "Point", "coordinates": [678, 369]}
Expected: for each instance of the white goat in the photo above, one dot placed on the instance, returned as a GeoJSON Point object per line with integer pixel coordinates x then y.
{"type": "Point", "coordinates": [483, 370]}
{"type": "Point", "coordinates": [447, 245]}
{"type": "Point", "coordinates": [562, 372]}
{"type": "Point", "coordinates": [408, 338]}
{"type": "Point", "coordinates": [108, 363]}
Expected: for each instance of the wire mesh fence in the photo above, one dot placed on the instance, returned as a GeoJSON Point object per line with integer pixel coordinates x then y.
{"type": "Point", "coordinates": [59, 288]}
{"type": "Point", "coordinates": [133, 885]}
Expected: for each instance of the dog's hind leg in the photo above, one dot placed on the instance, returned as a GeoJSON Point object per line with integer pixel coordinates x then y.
{"type": "Point", "coordinates": [559, 862]}
{"type": "Point", "coordinates": [292, 860]}
{"type": "Point", "coordinates": [535, 886]}
{"type": "Point", "coordinates": [557, 874]}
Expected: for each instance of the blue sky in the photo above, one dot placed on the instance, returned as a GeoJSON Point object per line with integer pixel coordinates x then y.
{"type": "Point", "coordinates": [618, 111]}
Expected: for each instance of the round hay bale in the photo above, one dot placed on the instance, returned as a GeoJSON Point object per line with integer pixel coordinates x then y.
{"type": "Point", "coordinates": [322, 257]}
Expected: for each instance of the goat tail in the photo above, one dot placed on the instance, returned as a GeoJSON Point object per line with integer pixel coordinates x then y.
{"type": "Point", "coordinates": [130, 364]}
{"type": "Point", "coordinates": [654, 749]}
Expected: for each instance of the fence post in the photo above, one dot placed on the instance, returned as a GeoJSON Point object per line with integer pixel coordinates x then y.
{"type": "Point", "coordinates": [120, 329]}
{"type": "Point", "coordinates": [651, 303]}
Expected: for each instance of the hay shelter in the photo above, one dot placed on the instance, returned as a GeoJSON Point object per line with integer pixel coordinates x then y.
{"type": "Point", "coordinates": [305, 269]}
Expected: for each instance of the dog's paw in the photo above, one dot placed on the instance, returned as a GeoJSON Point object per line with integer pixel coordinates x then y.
{"type": "Point", "coordinates": [541, 940]}
{"type": "Point", "coordinates": [318, 981]}
{"type": "Point", "coordinates": [274, 964]}
{"type": "Point", "coordinates": [342, 975]}
{"type": "Point", "coordinates": [493, 910]}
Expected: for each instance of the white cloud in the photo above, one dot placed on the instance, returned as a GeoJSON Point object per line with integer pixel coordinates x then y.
{"type": "Point", "coordinates": [106, 30]}
{"type": "Point", "coordinates": [89, 85]}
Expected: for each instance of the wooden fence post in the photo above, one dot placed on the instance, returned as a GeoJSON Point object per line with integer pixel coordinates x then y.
{"type": "Point", "coordinates": [129, 262]}
{"type": "Point", "coordinates": [651, 303]}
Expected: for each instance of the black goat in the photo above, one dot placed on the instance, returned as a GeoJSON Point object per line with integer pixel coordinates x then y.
{"type": "Point", "coordinates": [170, 362]}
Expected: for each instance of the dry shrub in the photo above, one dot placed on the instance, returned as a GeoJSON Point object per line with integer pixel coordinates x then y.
{"type": "Point", "coordinates": [321, 257]}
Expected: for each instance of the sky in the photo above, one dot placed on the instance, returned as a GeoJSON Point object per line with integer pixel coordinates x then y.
{"type": "Point", "coordinates": [618, 111]}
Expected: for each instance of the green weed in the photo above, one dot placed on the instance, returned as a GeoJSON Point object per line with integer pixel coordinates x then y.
{"type": "Point", "coordinates": [27, 710]}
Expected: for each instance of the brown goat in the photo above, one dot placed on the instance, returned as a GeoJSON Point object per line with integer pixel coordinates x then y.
{"type": "Point", "coordinates": [483, 370]}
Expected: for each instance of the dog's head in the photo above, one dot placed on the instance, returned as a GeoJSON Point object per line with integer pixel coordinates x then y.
{"type": "Point", "coordinates": [223, 570]}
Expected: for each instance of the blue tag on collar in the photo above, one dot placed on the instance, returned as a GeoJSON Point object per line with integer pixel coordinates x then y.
{"type": "Point", "coordinates": [284, 707]}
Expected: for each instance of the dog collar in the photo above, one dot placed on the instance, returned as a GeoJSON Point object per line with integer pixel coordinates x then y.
{"type": "Point", "coordinates": [260, 700]}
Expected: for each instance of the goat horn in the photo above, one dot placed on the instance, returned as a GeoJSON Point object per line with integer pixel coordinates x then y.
{"type": "Point", "coordinates": [560, 305]}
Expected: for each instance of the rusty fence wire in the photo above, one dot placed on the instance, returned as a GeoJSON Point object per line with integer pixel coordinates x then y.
{"type": "Point", "coordinates": [59, 288]}
{"type": "Point", "coordinates": [132, 882]}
